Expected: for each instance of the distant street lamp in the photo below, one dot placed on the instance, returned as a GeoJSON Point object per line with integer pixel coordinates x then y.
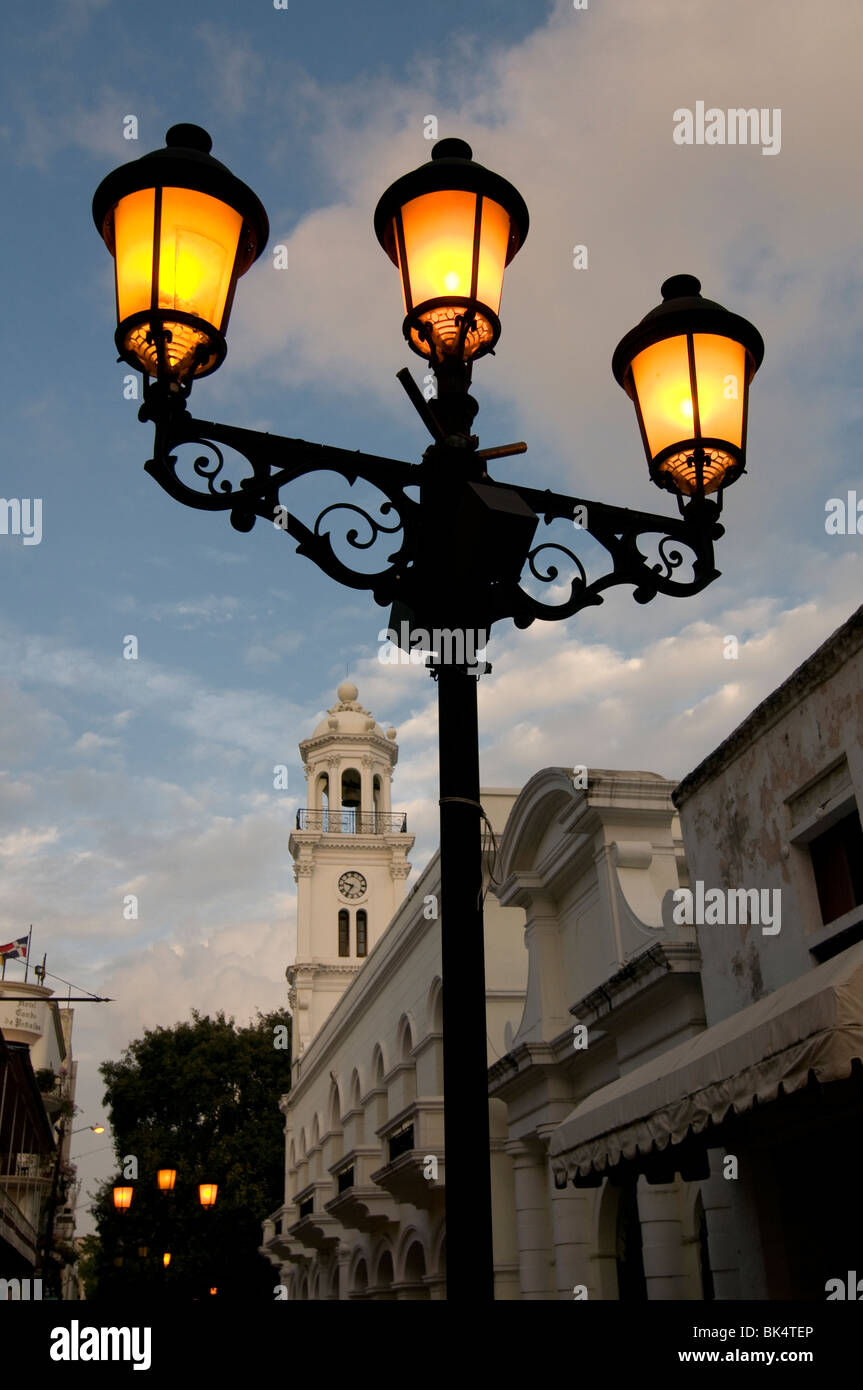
{"type": "Point", "coordinates": [207, 1193]}
{"type": "Point", "coordinates": [166, 1177]}
{"type": "Point", "coordinates": [166, 1259]}
{"type": "Point", "coordinates": [122, 1198]}
{"type": "Point", "coordinates": [182, 230]}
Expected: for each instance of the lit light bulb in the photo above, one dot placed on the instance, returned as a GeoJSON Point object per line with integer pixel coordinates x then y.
{"type": "Point", "coordinates": [686, 408]}
{"type": "Point", "coordinates": [450, 281]}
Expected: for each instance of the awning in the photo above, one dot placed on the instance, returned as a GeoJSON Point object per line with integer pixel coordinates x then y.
{"type": "Point", "coordinates": [813, 1024]}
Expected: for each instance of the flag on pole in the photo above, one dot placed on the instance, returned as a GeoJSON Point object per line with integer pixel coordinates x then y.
{"type": "Point", "coordinates": [15, 950]}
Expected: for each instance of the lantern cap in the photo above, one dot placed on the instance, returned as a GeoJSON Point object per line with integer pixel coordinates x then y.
{"type": "Point", "coordinates": [452, 148]}
{"type": "Point", "coordinates": [683, 310]}
{"type": "Point", "coordinates": [184, 162]}
{"type": "Point", "coordinates": [451, 167]}
{"type": "Point", "coordinates": [189, 137]}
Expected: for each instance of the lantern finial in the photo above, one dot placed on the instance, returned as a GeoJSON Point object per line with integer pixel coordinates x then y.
{"type": "Point", "coordinates": [452, 148]}
{"type": "Point", "coordinates": [189, 137]}
{"type": "Point", "coordinates": [680, 287]}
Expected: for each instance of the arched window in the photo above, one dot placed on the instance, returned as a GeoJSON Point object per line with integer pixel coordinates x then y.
{"type": "Point", "coordinates": [631, 1284]}
{"type": "Point", "coordinates": [351, 797]}
{"type": "Point", "coordinates": [344, 933]}
{"type": "Point", "coordinates": [362, 933]}
{"type": "Point", "coordinates": [323, 800]}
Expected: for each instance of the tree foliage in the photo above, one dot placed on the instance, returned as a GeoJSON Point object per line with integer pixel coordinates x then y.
{"type": "Point", "coordinates": [203, 1098]}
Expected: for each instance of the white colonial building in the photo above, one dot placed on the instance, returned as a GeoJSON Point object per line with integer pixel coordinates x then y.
{"type": "Point", "coordinates": [661, 1082]}
{"type": "Point", "coordinates": [365, 1174]}
{"type": "Point", "coordinates": [363, 1215]}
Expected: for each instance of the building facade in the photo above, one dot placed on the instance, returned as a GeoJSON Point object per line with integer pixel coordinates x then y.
{"type": "Point", "coordinates": [762, 1110]}
{"type": "Point", "coordinates": [365, 1173]}
{"type": "Point", "coordinates": [37, 1099]}
{"type": "Point", "coordinates": [675, 1022]}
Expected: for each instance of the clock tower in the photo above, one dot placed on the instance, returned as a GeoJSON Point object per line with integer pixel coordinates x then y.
{"type": "Point", "coordinates": [350, 858]}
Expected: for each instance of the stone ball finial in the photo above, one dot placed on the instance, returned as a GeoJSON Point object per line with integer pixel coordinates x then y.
{"type": "Point", "coordinates": [391, 734]}
{"type": "Point", "coordinates": [347, 692]}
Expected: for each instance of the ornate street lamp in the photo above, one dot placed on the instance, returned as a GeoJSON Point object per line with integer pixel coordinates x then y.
{"type": "Point", "coordinates": [687, 367]}
{"type": "Point", "coordinates": [166, 1177]}
{"type": "Point", "coordinates": [451, 226]}
{"type": "Point", "coordinates": [207, 1193]}
{"type": "Point", "coordinates": [181, 229]}
{"type": "Point", "coordinates": [122, 1198]}
{"type": "Point", "coordinates": [467, 556]}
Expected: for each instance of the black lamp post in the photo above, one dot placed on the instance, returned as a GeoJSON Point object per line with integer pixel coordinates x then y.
{"type": "Point", "coordinates": [451, 227]}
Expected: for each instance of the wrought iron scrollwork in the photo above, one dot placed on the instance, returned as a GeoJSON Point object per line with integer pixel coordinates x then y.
{"type": "Point", "coordinates": [413, 570]}
{"type": "Point", "coordinates": [619, 530]}
{"type": "Point", "coordinates": [275, 462]}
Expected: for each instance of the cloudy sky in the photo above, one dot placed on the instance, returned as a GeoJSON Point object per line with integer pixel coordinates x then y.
{"type": "Point", "coordinates": [155, 776]}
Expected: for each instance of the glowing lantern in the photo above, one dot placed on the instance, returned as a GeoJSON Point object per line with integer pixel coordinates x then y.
{"type": "Point", "coordinates": [687, 367]}
{"type": "Point", "coordinates": [207, 1192]}
{"type": "Point", "coordinates": [166, 1178]}
{"type": "Point", "coordinates": [451, 226]}
{"type": "Point", "coordinates": [122, 1198]}
{"type": "Point", "coordinates": [166, 1259]}
{"type": "Point", "coordinates": [181, 229]}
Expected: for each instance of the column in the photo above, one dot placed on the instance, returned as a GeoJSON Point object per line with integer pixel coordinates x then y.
{"type": "Point", "coordinates": [662, 1241]}
{"type": "Point", "coordinates": [532, 1218]}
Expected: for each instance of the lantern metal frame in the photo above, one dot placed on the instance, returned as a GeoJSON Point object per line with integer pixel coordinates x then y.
{"type": "Point", "coordinates": [184, 163]}
{"type": "Point", "coordinates": [451, 168]}
{"type": "Point", "coordinates": [683, 313]}
{"type": "Point", "coordinates": [460, 548]}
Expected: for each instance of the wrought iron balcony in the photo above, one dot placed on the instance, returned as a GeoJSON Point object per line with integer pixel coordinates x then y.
{"type": "Point", "coordinates": [352, 822]}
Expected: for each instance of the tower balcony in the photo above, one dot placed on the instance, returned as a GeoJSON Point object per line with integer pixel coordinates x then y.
{"type": "Point", "coordinates": [353, 822]}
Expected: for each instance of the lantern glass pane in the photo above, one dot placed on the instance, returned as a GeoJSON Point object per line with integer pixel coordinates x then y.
{"type": "Point", "coordinates": [438, 230]}
{"type": "Point", "coordinates": [494, 239]}
{"type": "Point", "coordinates": [198, 245]}
{"type": "Point", "coordinates": [133, 243]}
{"type": "Point", "coordinates": [661, 377]}
{"type": "Point", "coordinates": [720, 371]}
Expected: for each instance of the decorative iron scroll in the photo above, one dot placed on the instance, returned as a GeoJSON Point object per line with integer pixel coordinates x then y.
{"type": "Point", "coordinates": [275, 461]}
{"type": "Point", "coordinates": [618, 530]}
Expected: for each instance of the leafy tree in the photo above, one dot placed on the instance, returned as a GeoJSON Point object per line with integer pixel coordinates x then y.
{"type": "Point", "coordinates": [203, 1098]}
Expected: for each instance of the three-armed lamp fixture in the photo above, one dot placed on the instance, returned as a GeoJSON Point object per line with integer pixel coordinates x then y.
{"type": "Point", "coordinates": [181, 229]}
{"type": "Point", "coordinates": [451, 226]}
{"type": "Point", "coordinates": [687, 366]}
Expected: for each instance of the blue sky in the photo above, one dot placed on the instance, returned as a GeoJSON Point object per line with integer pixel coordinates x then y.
{"type": "Point", "coordinates": [155, 776]}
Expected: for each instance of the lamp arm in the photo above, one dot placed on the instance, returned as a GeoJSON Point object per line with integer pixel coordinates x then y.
{"type": "Point", "coordinates": [618, 530]}
{"type": "Point", "coordinates": [275, 462]}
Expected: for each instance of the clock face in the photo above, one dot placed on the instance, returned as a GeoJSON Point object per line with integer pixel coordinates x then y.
{"type": "Point", "coordinates": [352, 884]}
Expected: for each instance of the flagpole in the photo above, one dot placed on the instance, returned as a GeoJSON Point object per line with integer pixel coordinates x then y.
{"type": "Point", "coordinates": [27, 957]}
